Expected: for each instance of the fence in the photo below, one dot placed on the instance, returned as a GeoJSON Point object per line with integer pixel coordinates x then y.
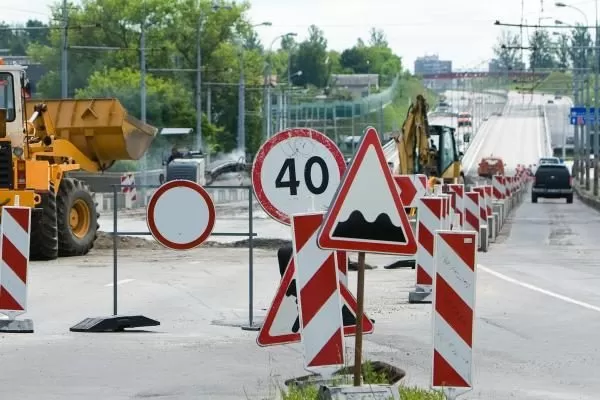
{"type": "Point", "coordinates": [116, 233]}
{"type": "Point", "coordinates": [336, 118]}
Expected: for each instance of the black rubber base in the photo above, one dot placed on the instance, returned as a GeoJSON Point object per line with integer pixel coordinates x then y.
{"type": "Point", "coordinates": [16, 326]}
{"type": "Point", "coordinates": [401, 264]}
{"type": "Point", "coordinates": [115, 323]}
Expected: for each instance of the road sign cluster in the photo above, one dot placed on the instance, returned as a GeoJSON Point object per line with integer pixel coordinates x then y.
{"type": "Point", "coordinates": [582, 115]}
{"type": "Point", "coordinates": [300, 179]}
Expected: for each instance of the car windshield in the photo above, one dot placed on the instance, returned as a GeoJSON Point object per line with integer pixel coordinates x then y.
{"type": "Point", "coordinates": [549, 161]}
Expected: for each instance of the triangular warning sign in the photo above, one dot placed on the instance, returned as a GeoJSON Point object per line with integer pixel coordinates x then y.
{"type": "Point", "coordinates": [367, 213]}
{"type": "Point", "coordinates": [282, 325]}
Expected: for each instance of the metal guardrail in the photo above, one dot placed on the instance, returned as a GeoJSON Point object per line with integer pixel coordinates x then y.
{"type": "Point", "coordinates": [250, 235]}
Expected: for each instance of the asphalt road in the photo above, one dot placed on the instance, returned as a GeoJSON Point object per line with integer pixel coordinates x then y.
{"type": "Point", "coordinates": [537, 312]}
{"type": "Point", "coordinates": [518, 136]}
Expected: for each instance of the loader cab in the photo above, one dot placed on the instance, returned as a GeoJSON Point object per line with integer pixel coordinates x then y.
{"type": "Point", "coordinates": [447, 163]}
{"type": "Point", "coordinates": [12, 87]}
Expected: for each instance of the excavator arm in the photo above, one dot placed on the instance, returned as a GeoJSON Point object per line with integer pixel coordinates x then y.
{"type": "Point", "coordinates": [412, 143]}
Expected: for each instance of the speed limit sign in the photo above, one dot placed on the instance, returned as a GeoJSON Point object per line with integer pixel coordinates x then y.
{"type": "Point", "coordinates": [298, 170]}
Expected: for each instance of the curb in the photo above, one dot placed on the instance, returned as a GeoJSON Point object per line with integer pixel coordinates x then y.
{"type": "Point", "coordinates": [587, 199]}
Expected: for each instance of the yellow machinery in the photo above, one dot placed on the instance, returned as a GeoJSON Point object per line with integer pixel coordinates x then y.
{"type": "Point", "coordinates": [428, 149]}
{"type": "Point", "coordinates": [41, 141]}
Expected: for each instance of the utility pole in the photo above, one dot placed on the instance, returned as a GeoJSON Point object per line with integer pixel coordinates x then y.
{"type": "Point", "coordinates": [576, 102]}
{"type": "Point", "coordinates": [144, 163]}
{"type": "Point", "coordinates": [63, 59]}
{"type": "Point", "coordinates": [199, 81]}
{"type": "Point", "coordinates": [242, 108]}
{"type": "Point", "coordinates": [588, 131]}
{"type": "Point", "coordinates": [596, 142]}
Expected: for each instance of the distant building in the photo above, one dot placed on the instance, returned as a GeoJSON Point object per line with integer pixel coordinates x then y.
{"type": "Point", "coordinates": [432, 65]}
{"type": "Point", "coordinates": [359, 85]}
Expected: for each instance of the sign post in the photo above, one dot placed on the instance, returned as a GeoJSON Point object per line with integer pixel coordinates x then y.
{"type": "Point", "coordinates": [377, 226]}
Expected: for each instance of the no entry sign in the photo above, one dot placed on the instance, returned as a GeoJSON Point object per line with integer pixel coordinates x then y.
{"type": "Point", "coordinates": [180, 215]}
{"type": "Point", "coordinates": [297, 170]}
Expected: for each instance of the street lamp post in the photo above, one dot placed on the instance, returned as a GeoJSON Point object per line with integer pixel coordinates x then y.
{"type": "Point", "coordinates": [267, 92]}
{"type": "Point", "coordinates": [582, 146]}
{"type": "Point", "coordinates": [241, 125]}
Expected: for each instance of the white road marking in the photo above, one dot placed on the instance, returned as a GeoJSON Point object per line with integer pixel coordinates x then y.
{"type": "Point", "coordinates": [121, 282]}
{"type": "Point", "coordinates": [539, 289]}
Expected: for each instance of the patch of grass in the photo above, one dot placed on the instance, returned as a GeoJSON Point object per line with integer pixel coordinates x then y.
{"type": "Point", "coordinates": [370, 376]}
{"type": "Point", "coordinates": [415, 393]}
{"type": "Point", "coordinates": [305, 393]}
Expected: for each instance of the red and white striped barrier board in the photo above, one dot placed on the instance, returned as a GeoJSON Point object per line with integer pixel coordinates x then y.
{"type": "Point", "coordinates": [453, 309]}
{"type": "Point", "coordinates": [506, 183]}
{"type": "Point", "coordinates": [472, 221]}
{"type": "Point", "coordinates": [483, 215]}
{"type": "Point", "coordinates": [128, 188]}
{"type": "Point", "coordinates": [499, 191]}
{"type": "Point", "coordinates": [342, 263]}
{"type": "Point", "coordinates": [412, 188]}
{"type": "Point", "coordinates": [429, 220]}
{"type": "Point", "coordinates": [459, 202]}
{"type": "Point", "coordinates": [319, 300]}
{"type": "Point", "coordinates": [446, 216]}
{"type": "Point", "coordinates": [15, 234]}
{"type": "Point", "coordinates": [489, 190]}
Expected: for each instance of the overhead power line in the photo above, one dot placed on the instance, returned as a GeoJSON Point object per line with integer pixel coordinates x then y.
{"type": "Point", "coordinates": [498, 23]}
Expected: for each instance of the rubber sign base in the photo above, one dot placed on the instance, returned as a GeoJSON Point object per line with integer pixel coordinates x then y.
{"type": "Point", "coordinates": [114, 323]}
{"type": "Point", "coordinates": [16, 326]}
{"type": "Point", "coordinates": [420, 295]}
{"type": "Point", "coordinates": [374, 392]}
{"type": "Point", "coordinates": [243, 324]}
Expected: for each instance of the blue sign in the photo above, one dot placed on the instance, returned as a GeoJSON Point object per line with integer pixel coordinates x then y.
{"type": "Point", "coordinates": [578, 115]}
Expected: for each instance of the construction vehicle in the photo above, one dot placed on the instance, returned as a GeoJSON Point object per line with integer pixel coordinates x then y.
{"type": "Point", "coordinates": [428, 149]}
{"type": "Point", "coordinates": [465, 119]}
{"type": "Point", "coordinates": [490, 166]}
{"type": "Point", "coordinates": [41, 141]}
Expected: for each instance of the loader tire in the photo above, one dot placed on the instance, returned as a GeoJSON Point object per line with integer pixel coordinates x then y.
{"type": "Point", "coordinates": [44, 231]}
{"type": "Point", "coordinates": [77, 218]}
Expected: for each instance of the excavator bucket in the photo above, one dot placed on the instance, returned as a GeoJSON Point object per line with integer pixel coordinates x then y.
{"type": "Point", "coordinates": [100, 128]}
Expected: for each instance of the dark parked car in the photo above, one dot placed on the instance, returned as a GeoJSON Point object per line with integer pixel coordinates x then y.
{"type": "Point", "coordinates": [552, 181]}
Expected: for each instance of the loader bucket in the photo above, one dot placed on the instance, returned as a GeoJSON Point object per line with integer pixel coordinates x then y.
{"type": "Point", "coordinates": [100, 128]}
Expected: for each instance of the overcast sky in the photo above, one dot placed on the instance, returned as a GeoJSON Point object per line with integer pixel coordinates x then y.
{"type": "Point", "coordinates": [459, 30]}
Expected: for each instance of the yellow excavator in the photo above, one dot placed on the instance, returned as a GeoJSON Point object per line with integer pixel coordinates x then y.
{"type": "Point", "coordinates": [41, 141]}
{"type": "Point", "coordinates": [428, 149]}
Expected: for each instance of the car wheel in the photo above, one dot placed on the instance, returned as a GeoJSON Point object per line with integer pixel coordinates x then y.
{"type": "Point", "coordinates": [534, 199]}
{"type": "Point", "coordinates": [570, 199]}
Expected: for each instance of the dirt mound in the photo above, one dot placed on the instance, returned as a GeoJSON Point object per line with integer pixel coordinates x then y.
{"type": "Point", "coordinates": [105, 242]}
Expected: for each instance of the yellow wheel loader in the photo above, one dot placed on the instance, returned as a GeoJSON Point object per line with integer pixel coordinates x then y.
{"type": "Point", "coordinates": [428, 149]}
{"type": "Point", "coordinates": [41, 142]}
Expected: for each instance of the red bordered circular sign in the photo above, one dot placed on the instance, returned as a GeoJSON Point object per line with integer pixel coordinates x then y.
{"type": "Point", "coordinates": [180, 215]}
{"type": "Point", "coordinates": [297, 170]}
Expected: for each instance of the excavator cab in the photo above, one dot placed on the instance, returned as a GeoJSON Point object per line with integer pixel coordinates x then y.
{"type": "Point", "coordinates": [445, 159]}
{"type": "Point", "coordinates": [425, 148]}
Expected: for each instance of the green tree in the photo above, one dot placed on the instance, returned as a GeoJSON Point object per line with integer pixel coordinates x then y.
{"type": "Point", "coordinates": [506, 50]}
{"type": "Point", "coordinates": [580, 49]}
{"type": "Point", "coordinates": [542, 55]}
{"type": "Point", "coordinates": [377, 38]}
{"type": "Point", "coordinates": [171, 37]}
{"type": "Point", "coordinates": [563, 51]}
{"type": "Point", "coordinates": [168, 103]}
{"type": "Point", "coordinates": [311, 58]}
